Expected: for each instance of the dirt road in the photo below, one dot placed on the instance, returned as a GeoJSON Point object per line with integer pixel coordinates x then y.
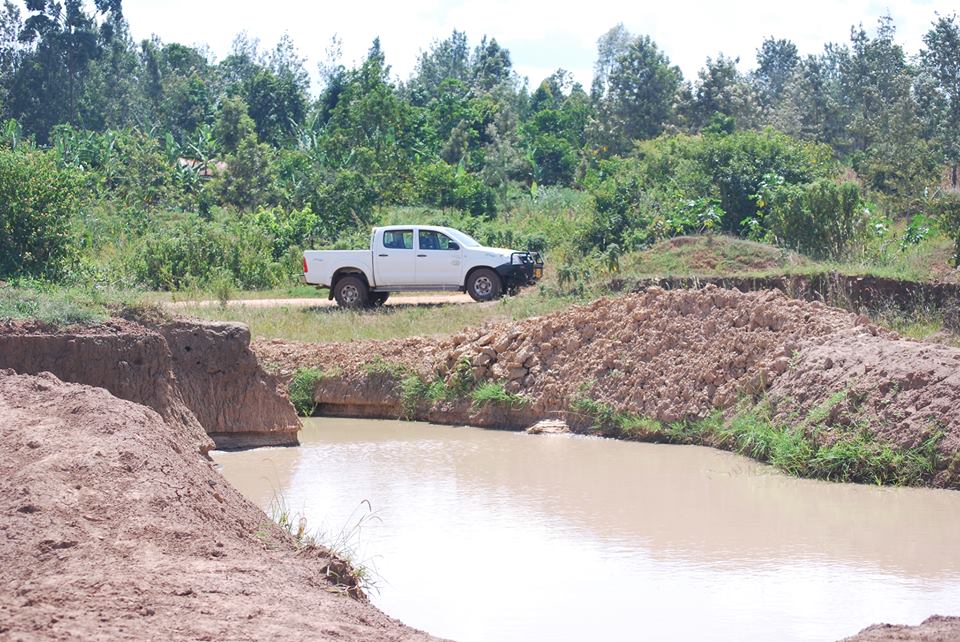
{"type": "Point", "coordinates": [403, 299]}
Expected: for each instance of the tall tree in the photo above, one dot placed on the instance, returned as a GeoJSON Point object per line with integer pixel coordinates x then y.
{"type": "Point", "coordinates": [720, 91]}
{"type": "Point", "coordinates": [941, 62]}
{"type": "Point", "coordinates": [777, 60]}
{"type": "Point", "coordinates": [639, 99]}
{"type": "Point", "coordinates": [64, 40]}
{"type": "Point", "coordinates": [446, 60]}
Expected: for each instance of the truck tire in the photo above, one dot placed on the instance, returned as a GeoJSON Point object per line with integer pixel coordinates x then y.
{"type": "Point", "coordinates": [351, 292]}
{"type": "Point", "coordinates": [377, 299]}
{"type": "Point", "coordinates": [484, 285]}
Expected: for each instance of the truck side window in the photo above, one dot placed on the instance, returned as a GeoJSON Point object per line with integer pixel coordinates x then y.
{"type": "Point", "coordinates": [430, 240]}
{"type": "Point", "coordinates": [398, 239]}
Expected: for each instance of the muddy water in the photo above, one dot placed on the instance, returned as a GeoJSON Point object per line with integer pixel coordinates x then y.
{"type": "Point", "coordinates": [484, 535]}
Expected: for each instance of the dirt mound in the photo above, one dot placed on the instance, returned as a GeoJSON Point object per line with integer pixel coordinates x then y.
{"type": "Point", "coordinates": [201, 377]}
{"type": "Point", "coordinates": [669, 355]}
{"type": "Point", "coordinates": [666, 355]}
{"type": "Point", "coordinates": [906, 390]}
{"type": "Point", "coordinates": [129, 360]}
{"type": "Point", "coordinates": [237, 403]}
{"type": "Point", "coordinates": [934, 629]}
{"type": "Point", "coordinates": [711, 254]}
{"type": "Point", "coordinates": [114, 529]}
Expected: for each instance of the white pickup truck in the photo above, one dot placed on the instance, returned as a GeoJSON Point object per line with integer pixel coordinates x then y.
{"type": "Point", "coordinates": [419, 257]}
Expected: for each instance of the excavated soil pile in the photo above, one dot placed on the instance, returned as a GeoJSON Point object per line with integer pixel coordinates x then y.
{"type": "Point", "coordinates": [937, 628]}
{"type": "Point", "coordinates": [129, 360]}
{"type": "Point", "coordinates": [669, 355]}
{"type": "Point", "coordinates": [200, 377]}
{"type": "Point", "coordinates": [114, 528]}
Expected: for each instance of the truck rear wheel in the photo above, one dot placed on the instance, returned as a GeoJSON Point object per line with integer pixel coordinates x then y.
{"type": "Point", "coordinates": [351, 292]}
{"type": "Point", "coordinates": [484, 285]}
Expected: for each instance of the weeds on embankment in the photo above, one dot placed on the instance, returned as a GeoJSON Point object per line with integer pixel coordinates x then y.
{"type": "Point", "coordinates": [345, 568]}
{"type": "Point", "coordinates": [302, 386]}
{"type": "Point", "coordinates": [808, 448]}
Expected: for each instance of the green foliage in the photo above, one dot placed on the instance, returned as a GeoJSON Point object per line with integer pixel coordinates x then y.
{"type": "Point", "coordinates": [301, 390]}
{"type": "Point", "coordinates": [494, 392]}
{"type": "Point", "coordinates": [37, 201]}
{"type": "Point", "coordinates": [380, 366]}
{"type": "Point", "coordinates": [946, 210]}
{"type": "Point", "coordinates": [819, 219]}
{"type": "Point", "coordinates": [55, 306]}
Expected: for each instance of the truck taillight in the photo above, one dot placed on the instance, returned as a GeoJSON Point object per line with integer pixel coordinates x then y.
{"type": "Point", "coordinates": [304, 265]}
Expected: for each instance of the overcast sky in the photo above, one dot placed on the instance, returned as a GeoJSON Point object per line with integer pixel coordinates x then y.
{"type": "Point", "coordinates": [541, 35]}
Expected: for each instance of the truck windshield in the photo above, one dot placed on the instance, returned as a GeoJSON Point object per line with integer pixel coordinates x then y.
{"type": "Point", "coordinates": [463, 239]}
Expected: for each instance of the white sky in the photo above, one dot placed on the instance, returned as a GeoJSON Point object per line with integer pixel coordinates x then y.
{"type": "Point", "coordinates": [541, 35]}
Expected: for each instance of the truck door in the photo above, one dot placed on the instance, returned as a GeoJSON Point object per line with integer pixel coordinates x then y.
{"type": "Point", "coordinates": [394, 258]}
{"type": "Point", "coordinates": [438, 259]}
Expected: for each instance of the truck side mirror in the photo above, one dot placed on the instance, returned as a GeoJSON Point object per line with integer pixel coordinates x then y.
{"type": "Point", "coordinates": [453, 246]}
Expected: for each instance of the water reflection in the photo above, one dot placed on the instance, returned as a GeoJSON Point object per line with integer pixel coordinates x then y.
{"type": "Point", "coordinates": [501, 536]}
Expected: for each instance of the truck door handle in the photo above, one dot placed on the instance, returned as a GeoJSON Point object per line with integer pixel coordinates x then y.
{"type": "Point", "coordinates": [383, 255]}
{"type": "Point", "coordinates": [422, 256]}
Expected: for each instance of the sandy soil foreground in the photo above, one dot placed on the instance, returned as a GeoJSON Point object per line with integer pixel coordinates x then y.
{"type": "Point", "coordinates": [113, 526]}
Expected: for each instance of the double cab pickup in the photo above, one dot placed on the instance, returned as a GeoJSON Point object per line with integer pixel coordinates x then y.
{"type": "Point", "coordinates": [419, 258]}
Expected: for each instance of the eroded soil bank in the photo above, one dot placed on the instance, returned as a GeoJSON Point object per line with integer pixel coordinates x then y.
{"type": "Point", "coordinates": [115, 528]}
{"type": "Point", "coordinates": [201, 377]}
{"type": "Point", "coordinates": [675, 357]}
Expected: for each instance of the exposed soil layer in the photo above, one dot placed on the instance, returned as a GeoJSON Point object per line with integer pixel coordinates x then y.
{"type": "Point", "coordinates": [934, 629]}
{"type": "Point", "coordinates": [114, 528]}
{"type": "Point", "coordinates": [129, 360]}
{"type": "Point", "coordinates": [237, 403]}
{"type": "Point", "coordinates": [200, 377]}
{"type": "Point", "coordinates": [668, 355]}
{"type": "Point", "coordinates": [858, 293]}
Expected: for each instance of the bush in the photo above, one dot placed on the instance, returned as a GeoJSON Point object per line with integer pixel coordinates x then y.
{"type": "Point", "coordinates": [37, 201]}
{"type": "Point", "coordinates": [819, 219]}
{"type": "Point", "coordinates": [301, 389]}
{"type": "Point", "coordinates": [946, 210]}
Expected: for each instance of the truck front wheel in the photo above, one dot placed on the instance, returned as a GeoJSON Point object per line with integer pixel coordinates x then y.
{"type": "Point", "coordinates": [351, 292]}
{"type": "Point", "coordinates": [484, 285]}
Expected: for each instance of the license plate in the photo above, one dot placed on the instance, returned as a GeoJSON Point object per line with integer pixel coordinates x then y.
{"type": "Point", "coordinates": [537, 273]}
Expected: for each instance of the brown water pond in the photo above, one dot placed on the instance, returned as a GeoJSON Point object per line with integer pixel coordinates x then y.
{"type": "Point", "coordinates": [487, 535]}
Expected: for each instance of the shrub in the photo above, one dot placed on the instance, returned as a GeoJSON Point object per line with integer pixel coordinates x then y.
{"type": "Point", "coordinates": [37, 201]}
{"type": "Point", "coordinates": [301, 389]}
{"type": "Point", "coordinates": [946, 210]}
{"type": "Point", "coordinates": [495, 392]}
{"type": "Point", "coordinates": [819, 219]}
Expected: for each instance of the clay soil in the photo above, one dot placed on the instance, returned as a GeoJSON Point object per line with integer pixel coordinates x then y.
{"type": "Point", "coordinates": [113, 526]}
{"type": "Point", "coordinates": [682, 354]}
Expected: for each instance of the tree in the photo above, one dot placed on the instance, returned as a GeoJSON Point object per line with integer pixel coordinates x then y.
{"type": "Point", "coordinates": [233, 124]}
{"type": "Point", "coordinates": [777, 60]}
{"type": "Point", "coordinates": [720, 90]}
{"type": "Point", "coordinates": [941, 62]}
{"type": "Point", "coordinates": [37, 200]}
{"type": "Point", "coordinates": [446, 62]}
{"type": "Point", "coordinates": [49, 82]}
{"type": "Point", "coordinates": [641, 87]}
{"type": "Point", "coordinates": [491, 65]}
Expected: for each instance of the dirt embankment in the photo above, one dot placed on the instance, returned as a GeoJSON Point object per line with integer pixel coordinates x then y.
{"type": "Point", "coordinates": [851, 292]}
{"type": "Point", "coordinates": [113, 528]}
{"type": "Point", "coordinates": [238, 404]}
{"type": "Point", "coordinates": [937, 628]}
{"type": "Point", "coordinates": [200, 377]}
{"type": "Point", "coordinates": [668, 355]}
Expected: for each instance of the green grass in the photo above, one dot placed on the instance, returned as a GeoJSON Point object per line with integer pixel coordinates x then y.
{"type": "Point", "coordinates": [844, 454]}
{"type": "Point", "coordinates": [59, 306]}
{"type": "Point", "coordinates": [301, 389]}
{"type": "Point", "coordinates": [324, 324]}
{"type": "Point", "coordinates": [494, 392]}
